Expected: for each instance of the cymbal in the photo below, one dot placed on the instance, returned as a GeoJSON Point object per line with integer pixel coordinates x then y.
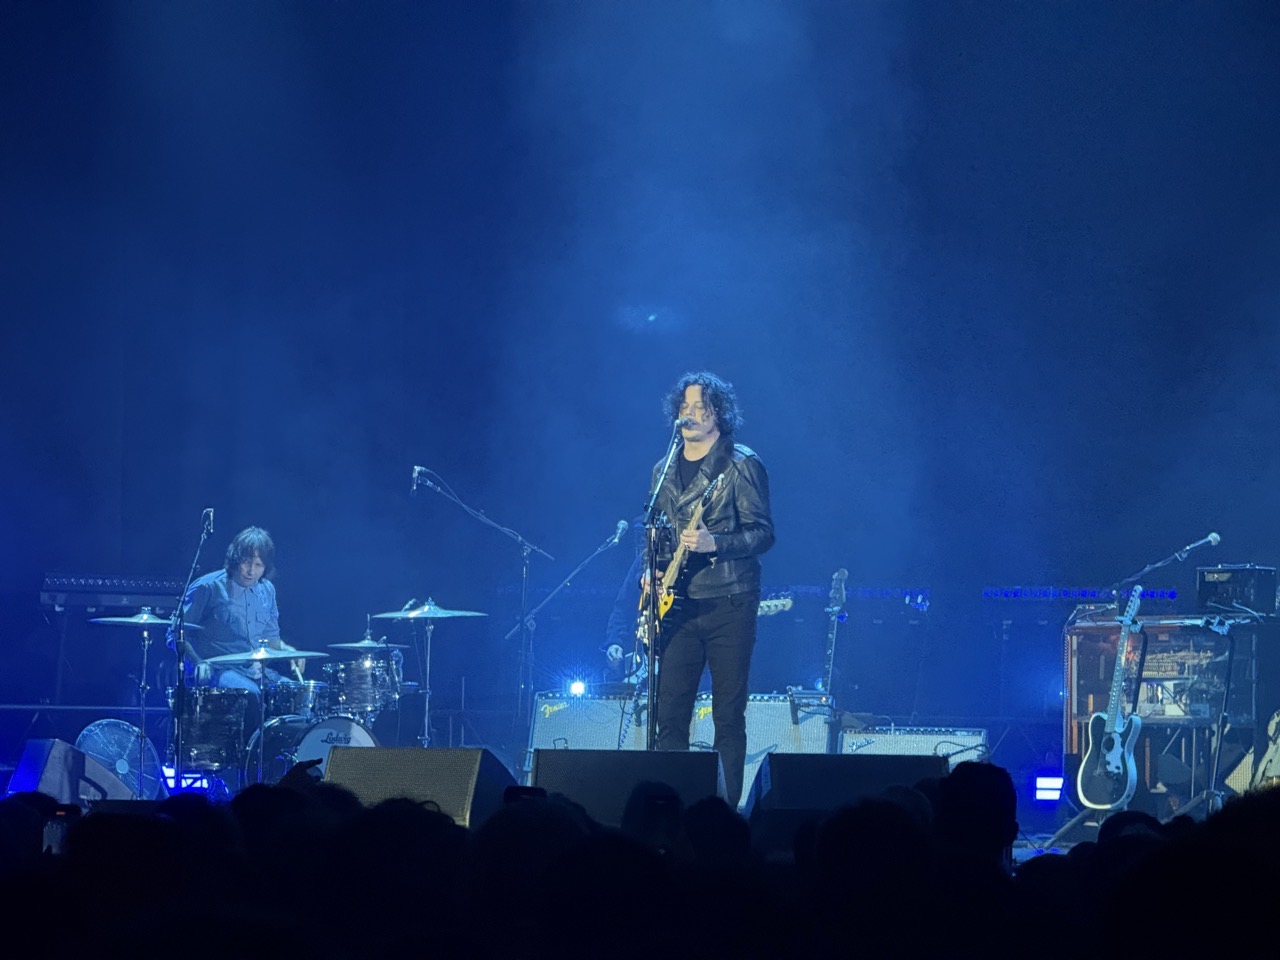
{"type": "Point", "coordinates": [368, 644]}
{"type": "Point", "coordinates": [265, 653]}
{"type": "Point", "coordinates": [142, 620]}
{"type": "Point", "coordinates": [428, 611]}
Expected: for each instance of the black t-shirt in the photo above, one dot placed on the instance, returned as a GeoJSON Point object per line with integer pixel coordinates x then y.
{"type": "Point", "coordinates": [688, 471]}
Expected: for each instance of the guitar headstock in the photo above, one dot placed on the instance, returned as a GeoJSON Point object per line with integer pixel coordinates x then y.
{"type": "Point", "coordinates": [711, 489]}
{"type": "Point", "coordinates": [1131, 608]}
{"type": "Point", "coordinates": [836, 597]}
{"type": "Point", "coordinates": [774, 605]}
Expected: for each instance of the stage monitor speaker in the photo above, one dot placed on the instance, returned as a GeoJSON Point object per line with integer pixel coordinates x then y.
{"type": "Point", "coordinates": [467, 784]}
{"type": "Point", "coordinates": [563, 722]}
{"type": "Point", "coordinates": [826, 782]}
{"type": "Point", "coordinates": [59, 770]}
{"type": "Point", "coordinates": [601, 781]}
{"type": "Point", "coordinates": [952, 745]}
{"type": "Point", "coordinates": [774, 725]}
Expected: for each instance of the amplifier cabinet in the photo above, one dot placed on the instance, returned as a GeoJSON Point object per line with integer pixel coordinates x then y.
{"type": "Point", "coordinates": [953, 744]}
{"type": "Point", "coordinates": [772, 727]}
{"type": "Point", "coordinates": [562, 722]}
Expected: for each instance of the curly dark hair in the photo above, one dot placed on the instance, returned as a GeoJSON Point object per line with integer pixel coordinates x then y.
{"type": "Point", "coordinates": [251, 542]}
{"type": "Point", "coordinates": [716, 393]}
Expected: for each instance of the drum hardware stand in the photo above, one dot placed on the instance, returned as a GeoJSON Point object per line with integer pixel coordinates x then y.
{"type": "Point", "coordinates": [649, 614]}
{"type": "Point", "coordinates": [262, 713]}
{"type": "Point", "coordinates": [178, 640]}
{"type": "Point", "coordinates": [524, 695]}
{"type": "Point", "coordinates": [142, 704]}
{"type": "Point", "coordinates": [425, 738]}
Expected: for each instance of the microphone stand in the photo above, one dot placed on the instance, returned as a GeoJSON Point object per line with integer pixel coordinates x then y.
{"type": "Point", "coordinates": [649, 613]}
{"type": "Point", "coordinates": [529, 620]}
{"type": "Point", "coordinates": [524, 701]}
{"type": "Point", "coordinates": [178, 632]}
{"type": "Point", "coordinates": [1179, 555]}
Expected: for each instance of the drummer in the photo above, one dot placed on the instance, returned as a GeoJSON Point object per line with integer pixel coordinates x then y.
{"type": "Point", "coordinates": [235, 607]}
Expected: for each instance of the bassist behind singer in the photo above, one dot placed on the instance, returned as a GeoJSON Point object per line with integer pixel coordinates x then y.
{"type": "Point", "coordinates": [712, 622]}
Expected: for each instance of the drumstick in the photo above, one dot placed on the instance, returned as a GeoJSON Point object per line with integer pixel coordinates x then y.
{"type": "Point", "coordinates": [297, 669]}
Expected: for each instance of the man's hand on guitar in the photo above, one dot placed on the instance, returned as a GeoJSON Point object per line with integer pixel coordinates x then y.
{"type": "Point", "coordinates": [699, 540]}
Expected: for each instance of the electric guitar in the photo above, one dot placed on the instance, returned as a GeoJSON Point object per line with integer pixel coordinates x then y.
{"type": "Point", "coordinates": [1107, 775]}
{"type": "Point", "coordinates": [667, 596]}
{"type": "Point", "coordinates": [835, 605]}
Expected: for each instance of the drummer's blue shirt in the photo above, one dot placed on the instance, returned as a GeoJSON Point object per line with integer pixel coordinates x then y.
{"type": "Point", "coordinates": [234, 619]}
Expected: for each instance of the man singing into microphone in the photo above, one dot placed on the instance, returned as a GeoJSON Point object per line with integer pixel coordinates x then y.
{"type": "Point", "coordinates": [712, 622]}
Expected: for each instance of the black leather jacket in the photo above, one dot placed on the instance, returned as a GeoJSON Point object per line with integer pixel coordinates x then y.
{"type": "Point", "coordinates": [737, 516]}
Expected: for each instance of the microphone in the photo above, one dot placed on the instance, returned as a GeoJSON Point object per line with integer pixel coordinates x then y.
{"type": "Point", "coordinates": [622, 529]}
{"type": "Point", "coordinates": [206, 518]}
{"type": "Point", "coordinates": [1212, 540]}
{"type": "Point", "coordinates": [684, 422]}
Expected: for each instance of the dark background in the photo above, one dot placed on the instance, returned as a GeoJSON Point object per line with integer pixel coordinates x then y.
{"type": "Point", "coordinates": [996, 283]}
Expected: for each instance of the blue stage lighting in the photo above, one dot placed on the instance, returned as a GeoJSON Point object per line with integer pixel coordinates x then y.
{"type": "Point", "coordinates": [192, 782]}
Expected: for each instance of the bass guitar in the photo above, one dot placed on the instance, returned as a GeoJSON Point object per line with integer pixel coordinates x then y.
{"type": "Point", "coordinates": [1107, 775]}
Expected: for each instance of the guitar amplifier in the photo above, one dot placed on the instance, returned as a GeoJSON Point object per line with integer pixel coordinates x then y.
{"type": "Point", "coordinates": [564, 722]}
{"type": "Point", "coordinates": [1223, 586]}
{"type": "Point", "coordinates": [772, 727]}
{"type": "Point", "coordinates": [955, 745]}
{"type": "Point", "coordinates": [775, 724]}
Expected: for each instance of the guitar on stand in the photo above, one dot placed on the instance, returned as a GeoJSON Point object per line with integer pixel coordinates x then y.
{"type": "Point", "coordinates": [1107, 776]}
{"type": "Point", "coordinates": [822, 701]}
{"type": "Point", "coordinates": [835, 611]}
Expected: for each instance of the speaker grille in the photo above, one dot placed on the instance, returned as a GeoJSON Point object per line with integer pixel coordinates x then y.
{"type": "Point", "coordinates": [769, 730]}
{"type": "Point", "coordinates": [562, 722]}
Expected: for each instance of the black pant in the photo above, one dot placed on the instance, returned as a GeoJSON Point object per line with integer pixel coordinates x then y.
{"type": "Point", "coordinates": [720, 633]}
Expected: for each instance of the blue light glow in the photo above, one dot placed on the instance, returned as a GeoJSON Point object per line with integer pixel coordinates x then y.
{"type": "Point", "coordinates": [1049, 789]}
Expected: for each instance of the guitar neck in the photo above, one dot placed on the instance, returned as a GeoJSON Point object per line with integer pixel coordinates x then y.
{"type": "Point", "coordinates": [836, 604]}
{"type": "Point", "coordinates": [1122, 647]}
{"type": "Point", "coordinates": [681, 551]}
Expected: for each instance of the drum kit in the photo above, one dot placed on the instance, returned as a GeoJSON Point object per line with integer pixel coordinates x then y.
{"type": "Point", "coordinates": [300, 719]}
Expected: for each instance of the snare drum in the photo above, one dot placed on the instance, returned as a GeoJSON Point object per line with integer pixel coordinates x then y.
{"type": "Point", "coordinates": [360, 687]}
{"type": "Point", "coordinates": [291, 740]}
{"type": "Point", "coordinates": [212, 727]}
{"type": "Point", "coordinates": [296, 698]}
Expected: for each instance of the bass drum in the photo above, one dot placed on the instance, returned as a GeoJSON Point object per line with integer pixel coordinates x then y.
{"type": "Point", "coordinates": [291, 740]}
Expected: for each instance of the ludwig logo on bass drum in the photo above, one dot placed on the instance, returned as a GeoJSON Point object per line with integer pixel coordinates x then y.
{"type": "Point", "coordinates": [332, 737]}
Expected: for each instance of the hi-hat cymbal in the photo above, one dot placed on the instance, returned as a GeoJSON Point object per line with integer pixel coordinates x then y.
{"type": "Point", "coordinates": [142, 620]}
{"type": "Point", "coordinates": [265, 653]}
{"type": "Point", "coordinates": [428, 611]}
{"type": "Point", "coordinates": [368, 644]}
